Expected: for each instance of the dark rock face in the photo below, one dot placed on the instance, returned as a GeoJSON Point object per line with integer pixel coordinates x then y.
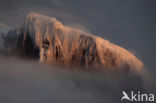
{"type": "Point", "coordinates": [50, 41]}
{"type": "Point", "coordinates": [27, 46]}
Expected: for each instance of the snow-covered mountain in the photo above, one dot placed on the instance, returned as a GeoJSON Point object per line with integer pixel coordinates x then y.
{"type": "Point", "coordinates": [54, 43]}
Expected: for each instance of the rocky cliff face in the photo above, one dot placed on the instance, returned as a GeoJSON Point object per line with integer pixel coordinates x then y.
{"type": "Point", "coordinates": [50, 41]}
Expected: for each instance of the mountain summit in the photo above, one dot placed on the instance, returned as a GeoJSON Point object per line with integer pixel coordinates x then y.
{"type": "Point", "coordinates": [54, 43]}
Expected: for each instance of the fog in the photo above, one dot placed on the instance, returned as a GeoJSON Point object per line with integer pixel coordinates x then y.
{"type": "Point", "coordinates": [27, 81]}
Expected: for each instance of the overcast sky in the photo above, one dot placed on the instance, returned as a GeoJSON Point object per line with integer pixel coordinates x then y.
{"type": "Point", "coordinates": [128, 23]}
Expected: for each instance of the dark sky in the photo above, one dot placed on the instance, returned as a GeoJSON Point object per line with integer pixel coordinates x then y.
{"type": "Point", "coordinates": [128, 23]}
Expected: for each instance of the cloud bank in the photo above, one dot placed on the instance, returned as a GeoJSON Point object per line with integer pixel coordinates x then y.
{"type": "Point", "coordinates": [24, 81]}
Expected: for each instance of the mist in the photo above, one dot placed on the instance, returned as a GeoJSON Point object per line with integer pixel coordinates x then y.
{"type": "Point", "coordinates": [24, 81]}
